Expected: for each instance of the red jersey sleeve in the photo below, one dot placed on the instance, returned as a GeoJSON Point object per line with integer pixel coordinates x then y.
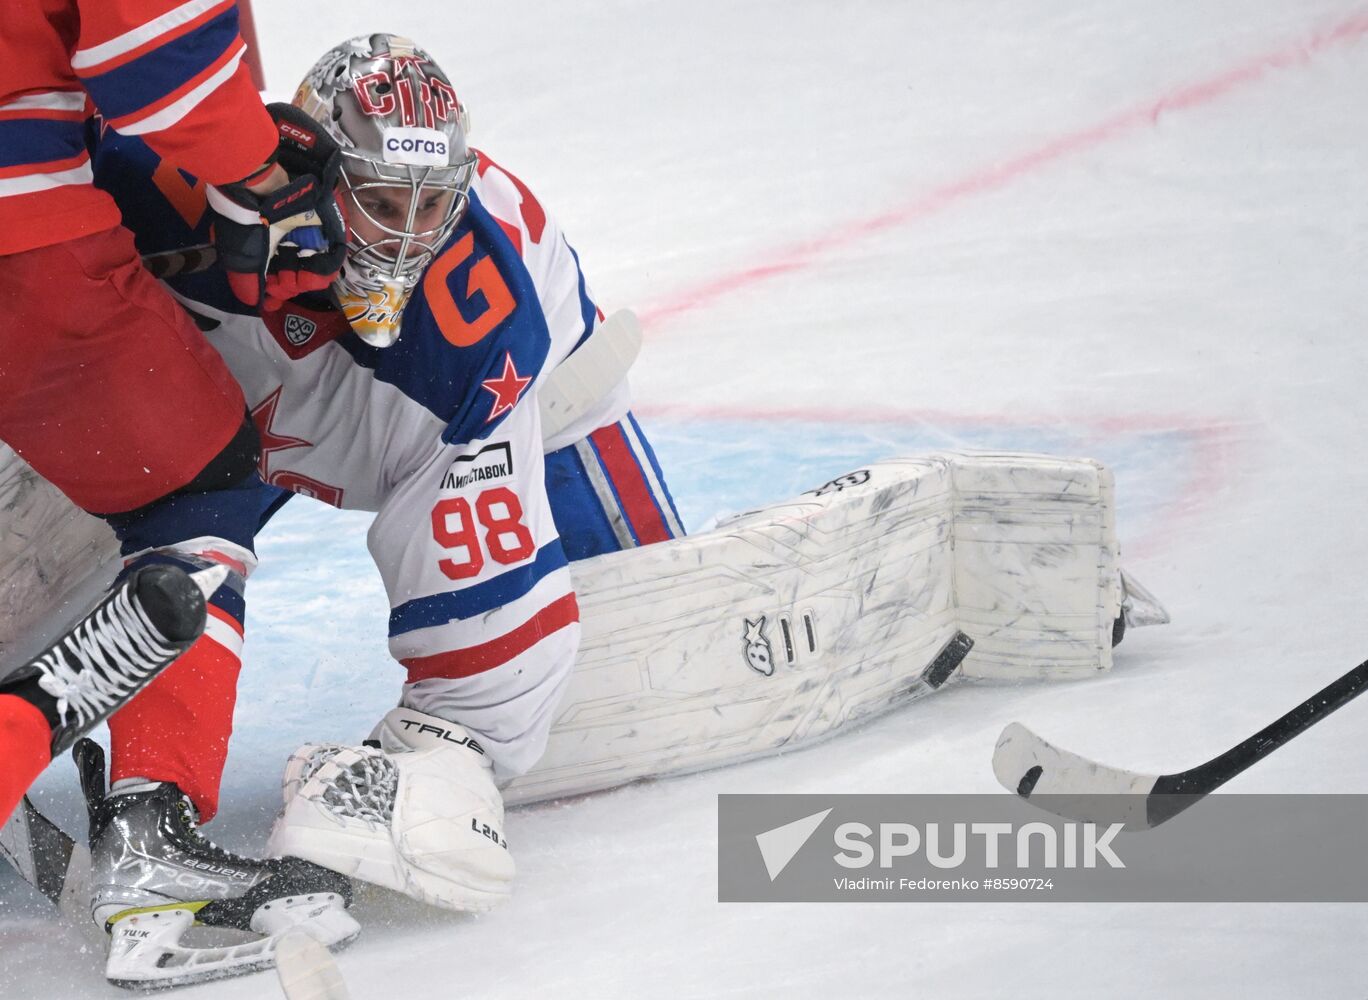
{"type": "Point", "coordinates": [174, 74]}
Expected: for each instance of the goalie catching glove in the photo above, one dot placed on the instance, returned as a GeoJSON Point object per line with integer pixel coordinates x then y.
{"type": "Point", "coordinates": [415, 809]}
{"type": "Point", "coordinates": [281, 232]}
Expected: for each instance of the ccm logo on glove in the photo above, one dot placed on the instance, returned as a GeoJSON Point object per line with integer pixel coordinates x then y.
{"type": "Point", "coordinates": [299, 135]}
{"type": "Point", "coordinates": [418, 147]}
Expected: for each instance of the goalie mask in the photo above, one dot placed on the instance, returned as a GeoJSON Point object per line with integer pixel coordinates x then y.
{"type": "Point", "coordinates": [406, 168]}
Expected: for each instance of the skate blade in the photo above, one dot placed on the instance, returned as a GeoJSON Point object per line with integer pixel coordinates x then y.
{"type": "Point", "coordinates": [145, 952]}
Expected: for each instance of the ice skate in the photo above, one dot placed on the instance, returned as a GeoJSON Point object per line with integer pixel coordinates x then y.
{"type": "Point", "coordinates": [154, 876]}
{"type": "Point", "coordinates": [134, 633]}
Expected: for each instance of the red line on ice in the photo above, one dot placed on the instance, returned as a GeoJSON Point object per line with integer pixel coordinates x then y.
{"type": "Point", "coordinates": [800, 256]}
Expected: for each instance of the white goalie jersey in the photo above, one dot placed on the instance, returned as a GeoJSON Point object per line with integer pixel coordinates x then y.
{"type": "Point", "coordinates": [440, 434]}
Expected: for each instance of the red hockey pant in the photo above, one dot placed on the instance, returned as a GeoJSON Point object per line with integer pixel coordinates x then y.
{"type": "Point", "coordinates": [107, 388]}
{"type": "Point", "coordinates": [24, 742]}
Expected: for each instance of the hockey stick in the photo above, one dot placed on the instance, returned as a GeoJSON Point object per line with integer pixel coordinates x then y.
{"type": "Point", "coordinates": [1030, 766]}
{"type": "Point", "coordinates": [43, 855]}
{"type": "Point", "coordinates": [188, 260]}
{"type": "Point", "coordinates": [587, 376]}
{"type": "Point", "coordinates": [307, 970]}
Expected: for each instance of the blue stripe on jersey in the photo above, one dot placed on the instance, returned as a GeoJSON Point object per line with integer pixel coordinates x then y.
{"type": "Point", "coordinates": [229, 600]}
{"type": "Point", "coordinates": [442, 377]}
{"type": "Point", "coordinates": [25, 141]}
{"type": "Point", "coordinates": [588, 311]}
{"type": "Point", "coordinates": [152, 76]}
{"type": "Point", "coordinates": [458, 605]}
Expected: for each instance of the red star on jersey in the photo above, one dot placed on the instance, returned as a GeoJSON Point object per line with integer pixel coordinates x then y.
{"type": "Point", "coordinates": [263, 415]}
{"type": "Point", "coordinates": [507, 388]}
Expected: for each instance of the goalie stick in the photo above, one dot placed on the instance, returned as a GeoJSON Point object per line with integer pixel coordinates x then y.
{"type": "Point", "coordinates": [1030, 766]}
{"type": "Point", "coordinates": [188, 260]}
{"type": "Point", "coordinates": [43, 855]}
{"type": "Point", "coordinates": [307, 970]}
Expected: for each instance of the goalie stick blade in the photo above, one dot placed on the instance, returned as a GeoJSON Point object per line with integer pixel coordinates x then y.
{"type": "Point", "coordinates": [586, 378]}
{"type": "Point", "coordinates": [307, 970]}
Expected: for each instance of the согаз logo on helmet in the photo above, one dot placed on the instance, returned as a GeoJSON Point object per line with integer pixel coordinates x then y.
{"type": "Point", "coordinates": [421, 147]}
{"type": "Point", "coordinates": [415, 146]}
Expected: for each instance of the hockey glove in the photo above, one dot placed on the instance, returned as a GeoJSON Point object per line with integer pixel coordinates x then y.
{"type": "Point", "coordinates": [274, 241]}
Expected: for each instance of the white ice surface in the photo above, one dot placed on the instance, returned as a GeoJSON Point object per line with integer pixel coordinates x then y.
{"type": "Point", "coordinates": [798, 196]}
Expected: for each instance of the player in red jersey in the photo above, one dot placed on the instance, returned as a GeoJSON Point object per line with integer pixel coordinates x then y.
{"type": "Point", "coordinates": [107, 388]}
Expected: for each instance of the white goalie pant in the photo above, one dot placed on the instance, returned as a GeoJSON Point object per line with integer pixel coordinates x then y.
{"type": "Point", "coordinates": [419, 814]}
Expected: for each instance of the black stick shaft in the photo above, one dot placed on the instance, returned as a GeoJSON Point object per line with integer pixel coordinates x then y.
{"type": "Point", "coordinates": [1217, 771]}
{"type": "Point", "coordinates": [190, 260]}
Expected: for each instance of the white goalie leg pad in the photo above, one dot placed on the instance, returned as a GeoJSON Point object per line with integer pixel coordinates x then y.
{"type": "Point", "coordinates": [58, 560]}
{"type": "Point", "coordinates": [420, 814]}
{"type": "Point", "coordinates": [783, 625]}
{"type": "Point", "coordinates": [1037, 573]}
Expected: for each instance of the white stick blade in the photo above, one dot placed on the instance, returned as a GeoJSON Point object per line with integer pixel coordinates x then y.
{"type": "Point", "coordinates": [1028, 766]}
{"type": "Point", "coordinates": [583, 380]}
{"type": "Point", "coordinates": [307, 970]}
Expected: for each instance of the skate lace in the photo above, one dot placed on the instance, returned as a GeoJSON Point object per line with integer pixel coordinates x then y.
{"type": "Point", "coordinates": [363, 790]}
{"type": "Point", "coordinates": [189, 817]}
{"type": "Point", "coordinates": [103, 660]}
